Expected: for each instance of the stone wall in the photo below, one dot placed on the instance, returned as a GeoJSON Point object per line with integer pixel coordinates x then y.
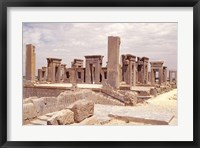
{"type": "Point", "coordinates": [33, 106]}
{"type": "Point", "coordinates": [29, 91]}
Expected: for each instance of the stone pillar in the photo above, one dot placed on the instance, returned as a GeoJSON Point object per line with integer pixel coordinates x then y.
{"type": "Point", "coordinates": [50, 71]}
{"type": "Point", "coordinates": [58, 73]}
{"type": "Point", "coordinates": [152, 77]}
{"type": "Point", "coordinates": [134, 74]}
{"type": "Point", "coordinates": [39, 74]}
{"type": "Point", "coordinates": [30, 62]}
{"type": "Point", "coordinates": [87, 72]}
{"type": "Point", "coordinates": [160, 75]}
{"type": "Point", "coordinates": [97, 72]}
{"type": "Point", "coordinates": [170, 76]}
{"type": "Point", "coordinates": [165, 74]}
{"type": "Point", "coordinates": [149, 76]}
{"type": "Point", "coordinates": [113, 61]}
{"type": "Point", "coordinates": [176, 76]}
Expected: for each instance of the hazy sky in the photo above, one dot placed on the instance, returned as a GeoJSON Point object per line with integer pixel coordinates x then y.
{"type": "Point", "coordinates": [67, 41]}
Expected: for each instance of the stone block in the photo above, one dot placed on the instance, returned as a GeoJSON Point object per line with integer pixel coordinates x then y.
{"type": "Point", "coordinates": [82, 109]}
{"type": "Point", "coordinates": [29, 100]}
{"type": "Point", "coordinates": [62, 117]}
{"type": "Point", "coordinates": [153, 92]}
{"type": "Point", "coordinates": [39, 105]}
{"type": "Point", "coordinates": [130, 98]}
{"type": "Point", "coordinates": [29, 111]}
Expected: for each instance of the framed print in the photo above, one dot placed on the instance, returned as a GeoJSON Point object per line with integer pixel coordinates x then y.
{"type": "Point", "coordinates": [99, 73]}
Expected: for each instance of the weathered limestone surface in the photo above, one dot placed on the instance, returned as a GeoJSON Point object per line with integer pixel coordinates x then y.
{"type": "Point", "coordinates": [39, 105]}
{"type": "Point", "coordinates": [109, 90]}
{"type": "Point", "coordinates": [102, 98]}
{"type": "Point", "coordinates": [45, 105]}
{"type": "Point", "coordinates": [29, 111]}
{"type": "Point", "coordinates": [62, 117]}
{"type": "Point", "coordinates": [130, 98]}
{"type": "Point", "coordinates": [113, 67]}
{"type": "Point", "coordinates": [82, 109]}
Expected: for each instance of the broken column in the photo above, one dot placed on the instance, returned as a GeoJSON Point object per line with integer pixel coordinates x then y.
{"type": "Point", "coordinates": [30, 62]}
{"type": "Point", "coordinates": [113, 68]}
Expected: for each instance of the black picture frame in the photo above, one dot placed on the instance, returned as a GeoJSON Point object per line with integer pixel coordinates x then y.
{"type": "Point", "coordinates": [4, 4]}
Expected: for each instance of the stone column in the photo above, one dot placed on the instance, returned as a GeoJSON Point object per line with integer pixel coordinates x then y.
{"type": "Point", "coordinates": [176, 76]}
{"type": "Point", "coordinates": [170, 76]}
{"type": "Point", "coordinates": [160, 75]}
{"type": "Point", "coordinates": [50, 71]}
{"type": "Point", "coordinates": [164, 74]}
{"type": "Point", "coordinates": [39, 74]}
{"type": "Point", "coordinates": [59, 73]}
{"type": "Point", "coordinates": [113, 61]}
{"type": "Point", "coordinates": [87, 72]}
{"type": "Point", "coordinates": [53, 76]}
{"type": "Point", "coordinates": [97, 72]}
{"type": "Point", "coordinates": [145, 74]}
{"type": "Point", "coordinates": [130, 74]}
{"type": "Point", "coordinates": [30, 62]}
{"type": "Point", "coordinates": [133, 74]}
{"type": "Point", "coordinates": [152, 77]}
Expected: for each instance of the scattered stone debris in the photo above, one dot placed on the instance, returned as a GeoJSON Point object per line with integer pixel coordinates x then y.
{"type": "Point", "coordinates": [82, 109]}
{"type": "Point", "coordinates": [62, 117]}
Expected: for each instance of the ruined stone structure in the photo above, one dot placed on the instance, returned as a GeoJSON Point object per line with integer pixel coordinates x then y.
{"type": "Point", "coordinates": [172, 76]}
{"type": "Point", "coordinates": [132, 71]}
{"type": "Point", "coordinates": [142, 70]}
{"type": "Point", "coordinates": [93, 69]}
{"type": "Point", "coordinates": [42, 74]}
{"type": "Point", "coordinates": [54, 69]}
{"type": "Point", "coordinates": [156, 72]}
{"type": "Point", "coordinates": [75, 74]}
{"type": "Point", "coordinates": [129, 69]}
{"type": "Point", "coordinates": [30, 62]}
{"type": "Point", "coordinates": [77, 63]}
{"type": "Point", "coordinates": [113, 68]}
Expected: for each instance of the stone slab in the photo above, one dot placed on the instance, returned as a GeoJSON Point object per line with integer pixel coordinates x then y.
{"type": "Point", "coordinates": [148, 114]}
{"type": "Point", "coordinates": [38, 122]}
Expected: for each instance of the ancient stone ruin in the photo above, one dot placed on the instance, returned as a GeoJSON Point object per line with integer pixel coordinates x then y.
{"type": "Point", "coordinates": [133, 70]}
{"type": "Point", "coordinates": [121, 83]}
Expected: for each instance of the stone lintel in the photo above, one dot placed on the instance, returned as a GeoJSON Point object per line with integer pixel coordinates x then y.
{"type": "Point", "coordinates": [78, 60]}
{"type": "Point", "coordinates": [157, 64]}
{"type": "Point", "coordinates": [145, 59]}
{"type": "Point", "coordinates": [130, 57]}
{"type": "Point", "coordinates": [100, 57]}
{"type": "Point", "coordinates": [54, 60]}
